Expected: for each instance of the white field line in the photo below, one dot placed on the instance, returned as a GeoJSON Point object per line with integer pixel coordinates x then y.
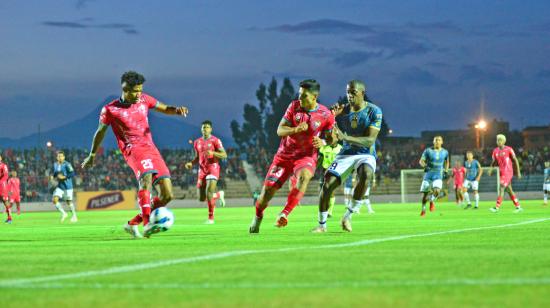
{"type": "Point", "coordinates": [221, 255]}
{"type": "Point", "coordinates": [516, 281]}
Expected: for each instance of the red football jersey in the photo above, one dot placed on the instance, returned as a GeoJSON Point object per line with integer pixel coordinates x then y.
{"type": "Point", "coordinates": [504, 158]}
{"type": "Point", "coordinates": [13, 186]}
{"type": "Point", "coordinates": [202, 146]}
{"type": "Point", "coordinates": [458, 175]}
{"type": "Point", "coordinates": [129, 122]}
{"type": "Point", "coordinates": [300, 145]}
{"type": "Point", "coordinates": [4, 174]}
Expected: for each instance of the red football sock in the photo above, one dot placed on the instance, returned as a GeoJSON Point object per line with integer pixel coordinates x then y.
{"type": "Point", "coordinates": [259, 211]}
{"type": "Point", "coordinates": [144, 200]}
{"type": "Point", "coordinates": [294, 197]}
{"type": "Point", "coordinates": [211, 207]}
{"type": "Point", "coordinates": [8, 211]}
{"type": "Point", "coordinates": [215, 196]}
{"type": "Point", "coordinates": [136, 220]}
{"type": "Point", "coordinates": [515, 200]}
{"type": "Point", "coordinates": [499, 202]}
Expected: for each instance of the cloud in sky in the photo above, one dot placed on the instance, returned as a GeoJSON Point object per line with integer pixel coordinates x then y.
{"type": "Point", "coordinates": [479, 74]}
{"type": "Point", "coordinates": [339, 57]}
{"type": "Point", "coordinates": [419, 77]}
{"type": "Point", "coordinates": [323, 26]}
{"type": "Point", "coordinates": [88, 23]}
{"type": "Point", "coordinates": [81, 4]}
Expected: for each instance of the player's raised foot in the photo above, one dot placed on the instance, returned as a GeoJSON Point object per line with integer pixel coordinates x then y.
{"type": "Point", "coordinates": [150, 229]}
{"type": "Point", "coordinates": [222, 198]}
{"type": "Point", "coordinates": [74, 219]}
{"type": "Point", "coordinates": [255, 225]}
{"type": "Point", "coordinates": [494, 209]}
{"type": "Point", "coordinates": [132, 230]}
{"type": "Point", "coordinates": [467, 206]}
{"type": "Point", "coordinates": [518, 209]}
{"type": "Point", "coordinates": [281, 221]}
{"type": "Point", "coordinates": [346, 224]}
{"type": "Point", "coordinates": [423, 213]}
{"type": "Point", "coordinates": [209, 221]}
{"type": "Point", "coordinates": [319, 229]}
{"type": "Point", "coordinates": [432, 206]}
{"type": "Point", "coordinates": [63, 217]}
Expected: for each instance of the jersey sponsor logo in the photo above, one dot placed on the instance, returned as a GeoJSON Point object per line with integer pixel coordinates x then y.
{"type": "Point", "coordinates": [354, 121]}
{"type": "Point", "coordinates": [105, 200]}
{"type": "Point", "coordinates": [316, 124]}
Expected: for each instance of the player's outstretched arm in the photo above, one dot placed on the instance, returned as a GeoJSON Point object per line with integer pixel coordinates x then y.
{"type": "Point", "coordinates": [96, 142]}
{"type": "Point", "coordinates": [171, 110]}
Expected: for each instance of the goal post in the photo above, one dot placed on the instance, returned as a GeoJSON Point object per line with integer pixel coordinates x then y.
{"type": "Point", "coordinates": [411, 179]}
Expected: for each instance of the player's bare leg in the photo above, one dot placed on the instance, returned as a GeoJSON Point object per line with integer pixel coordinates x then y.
{"type": "Point", "coordinates": [365, 174]}
{"type": "Point", "coordinates": [330, 183]}
{"type": "Point", "coordinates": [261, 204]}
{"type": "Point", "coordinates": [303, 177]}
{"type": "Point", "coordinates": [59, 207]}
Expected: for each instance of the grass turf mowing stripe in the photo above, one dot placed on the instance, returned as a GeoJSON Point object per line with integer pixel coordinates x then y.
{"type": "Point", "coordinates": [150, 265]}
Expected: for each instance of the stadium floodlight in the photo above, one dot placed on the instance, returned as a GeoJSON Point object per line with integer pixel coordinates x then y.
{"type": "Point", "coordinates": [49, 144]}
{"type": "Point", "coordinates": [482, 124]}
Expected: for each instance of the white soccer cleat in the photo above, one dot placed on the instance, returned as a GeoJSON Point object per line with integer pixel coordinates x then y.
{"type": "Point", "coordinates": [494, 209]}
{"type": "Point", "coordinates": [346, 224]}
{"type": "Point", "coordinates": [222, 198]}
{"type": "Point", "coordinates": [255, 225]}
{"type": "Point", "coordinates": [518, 210]}
{"type": "Point", "coordinates": [319, 229]}
{"type": "Point", "coordinates": [150, 229]}
{"type": "Point", "coordinates": [63, 217]}
{"type": "Point", "coordinates": [209, 222]}
{"type": "Point", "coordinates": [132, 230]}
{"type": "Point", "coordinates": [74, 219]}
{"type": "Point", "coordinates": [281, 221]}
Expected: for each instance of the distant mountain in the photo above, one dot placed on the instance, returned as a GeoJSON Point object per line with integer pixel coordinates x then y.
{"type": "Point", "coordinates": [168, 132]}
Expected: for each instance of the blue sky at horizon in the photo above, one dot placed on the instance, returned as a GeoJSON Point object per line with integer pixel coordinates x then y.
{"type": "Point", "coordinates": [426, 63]}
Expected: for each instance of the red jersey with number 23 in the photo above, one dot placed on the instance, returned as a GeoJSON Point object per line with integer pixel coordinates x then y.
{"type": "Point", "coordinates": [300, 145]}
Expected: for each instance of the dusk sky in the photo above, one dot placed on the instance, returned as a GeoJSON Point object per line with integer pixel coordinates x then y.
{"type": "Point", "coordinates": [426, 63]}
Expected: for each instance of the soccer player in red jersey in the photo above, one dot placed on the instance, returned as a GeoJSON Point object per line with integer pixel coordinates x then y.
{"type": "Point", "coordinates": [458, 179]}
{"type": "Point", "coordinates": [4, 174]}
{"type": "Point", "coordinates": [208, 151]}
{"type": "Point", "coordinates": [301, 128]}
{"type": "Point", "coordinates": [14, 191]}
{"type": "Point", "coordinates": [128, 117]}
{"type": "Point", "coordinates": [505, 158]}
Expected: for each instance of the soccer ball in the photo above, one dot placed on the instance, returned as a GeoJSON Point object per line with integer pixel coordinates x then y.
{"type": "Point", "coordinates": [162, 218]}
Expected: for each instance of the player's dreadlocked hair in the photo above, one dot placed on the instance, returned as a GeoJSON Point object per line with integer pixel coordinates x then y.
{"type": "Point", "coordinates": [132, 78]}
{"type": "Point", "coordinates": [311, 85]}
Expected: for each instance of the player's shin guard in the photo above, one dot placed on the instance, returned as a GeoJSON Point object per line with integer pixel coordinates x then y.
{"type": "Point", "coordinates": [144, 200]}
{"type": "Point", "coordinates": [294, 197]}
{"type": "Point", "coordinates": [515, 200]}
{"type": "Point", "coordinates": [499, 202]}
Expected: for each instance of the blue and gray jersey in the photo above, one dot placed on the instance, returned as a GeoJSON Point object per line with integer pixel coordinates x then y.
{"type": "Point", "coordinates": [356, 124]}
{"type": "Point", "coordinates": [547, 176]}
{"type": "Point", "coordinates": [435, 163]}
{"type": "Point", "coordinates": [472, 169]}
{"type": "Point", "coordinates": [67, 170]}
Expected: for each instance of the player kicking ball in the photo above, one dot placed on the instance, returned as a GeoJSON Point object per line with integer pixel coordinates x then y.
{"type": "Point", "coordinates": [300, 129]}
{"type": "Point", "coordinates": [357, 126]}
{"type": "Point", "coordinates": [505, 158]}
{"type": "Point", "coordinates": [63, 173]}
{"type": "Point", "coordinates": [128, 117]}
{"type": "Point", "coordinates": [435, 161]}
{"type": "Point", "coordinates": [208, 151]}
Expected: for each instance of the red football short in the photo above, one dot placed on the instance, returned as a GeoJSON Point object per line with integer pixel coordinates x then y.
{"type": "Point", "coordinates": [212, 172]}
{"type": "Point", "coordinates": [144, 160]}
{"type": "Point", "coordinates": [281, 169]}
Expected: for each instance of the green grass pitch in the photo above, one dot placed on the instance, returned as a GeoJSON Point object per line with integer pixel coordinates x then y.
{"type": "Point", "coordinates": [394, 258]}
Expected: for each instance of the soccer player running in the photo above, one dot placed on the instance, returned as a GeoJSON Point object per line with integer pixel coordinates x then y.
{"type": "Point", "coordinates": [473, 174]}
{"type": "Point", "coordinates": [14, 191]}
{"type": "Point", "coordinates": [358, 125]}
{"type": "Point", "coordinates": [435, 161]}
{"type": "Point", "coordinates": [546, 185]}
{"type": "Point", "coordinates": [505, 158]}
{"type": "Point", "coordinates": [128, 117]}
{"type": "Point", "coordinates": [4, 174]}
{"type": "Point", "coordinates": [63, 173]}
{"type": "Point", "coordinates": [208, 151]}
{"type": "Point", "coordinates": [301, 128]}
{"type": "Point", "coordinates": [327, 155]}
{"type": "Point", "coordinates": [458, 180]}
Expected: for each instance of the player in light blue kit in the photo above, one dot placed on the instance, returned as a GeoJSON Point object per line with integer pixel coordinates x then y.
{"type": "Point", "coordinates": [63, 173]}
{"type": "Point", "coordinates": [357, 125]}
{"type": "Point", "coordinates": [546, 186]}
{"type": "Point", "coordinates": [471, 181]}
{"type": "Point", "coordinates": [435, 161]}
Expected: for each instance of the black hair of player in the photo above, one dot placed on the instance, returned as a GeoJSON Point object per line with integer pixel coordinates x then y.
{"type": "Point", "coordinates": [207, 122]}
{"type": "Point", "coordinates": [311, 85]}
{"type": "Point", "coordinates": [60, 152]}
{"type": "Point", "coordinates": [132, 78]}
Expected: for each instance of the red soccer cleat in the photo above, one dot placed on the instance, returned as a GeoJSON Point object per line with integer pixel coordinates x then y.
{"type": "Point", "coordinates": [432, 206]}
{"type": "Point", "coordinates": [423, 213]}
